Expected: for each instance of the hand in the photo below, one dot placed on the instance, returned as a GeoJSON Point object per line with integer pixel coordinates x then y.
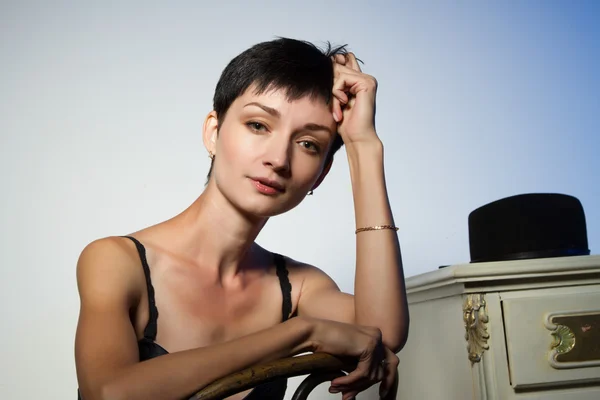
{"type": "Point", "coordinates": [353, 100]}
{"type": "Point", "coordinates": [376, 363]}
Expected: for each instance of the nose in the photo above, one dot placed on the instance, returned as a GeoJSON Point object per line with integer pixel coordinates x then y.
{"type": "Point", "coordinates": [277, 155]}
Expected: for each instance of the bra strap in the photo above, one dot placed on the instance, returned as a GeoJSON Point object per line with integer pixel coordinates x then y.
{"type": "Point", "coordinates": [286, 286]}
{"type": "Point", "coordinates": [151, 328]}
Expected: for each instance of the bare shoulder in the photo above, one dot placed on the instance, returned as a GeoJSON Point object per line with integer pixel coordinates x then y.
{"type": "Point", "coordinates": [308, 275]}
{"type": "Point", "coordinates": [107, 267]}
{"type": "Point", "coordinates": [316, 289]}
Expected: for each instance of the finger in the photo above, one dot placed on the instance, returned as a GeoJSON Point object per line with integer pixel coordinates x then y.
{"type": "Point", "coordinates": [336, 109]}
{"type": "Point", "coordinates": [380, 374]}
{"type": "Point", "coordinates": [349, 80]}
{"type": "Point", "coordinates": [354, 389]}
{"type": "Point", "coordinates": [391, 391]}
{"type": "Point", "coordinates": [349, 395]}
{"type": "Point", "coordinates": [357, 387]}
{"type": "Point", "coordinates": [364, 379]}
{"type": "Point", "coordinates": [376, 365]}
{"type": "Point", "coordinates": [340, 69]}
{"type": "Point", "coordinates": [340, 98]}
{"type": "Point", "coordinates": [360, 372]}
{"type": "Point", "coordinates": [360, 386]}
{"type": "Point", "coordinates": [352, 62]}
{"type": "Point", "coordinates": [339, 59]}
{"type": "Point", "coordinates": [341, 85]}
{"type": "Point", "coordinates": [347, 381]}
{"type": "Point", "coordinates": [389, 382]}
{"type": "Point", "coordinates": [340, 95]}
{"type": "Point", "coordinates": [350, 390]}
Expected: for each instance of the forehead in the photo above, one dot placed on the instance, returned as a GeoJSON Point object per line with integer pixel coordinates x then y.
{"type": "Point", "coordinates": [303, 108]}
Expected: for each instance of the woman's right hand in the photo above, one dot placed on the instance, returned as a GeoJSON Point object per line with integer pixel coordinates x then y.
{"type": "Point", "coordinates": [376, 363]}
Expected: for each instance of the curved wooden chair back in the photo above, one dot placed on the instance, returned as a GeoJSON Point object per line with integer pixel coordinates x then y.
{"type": "Point", "coordinates": [319, 367]}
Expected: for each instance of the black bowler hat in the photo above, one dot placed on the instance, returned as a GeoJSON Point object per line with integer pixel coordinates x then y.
{"type": "Point", "coordinates": [526, 226]}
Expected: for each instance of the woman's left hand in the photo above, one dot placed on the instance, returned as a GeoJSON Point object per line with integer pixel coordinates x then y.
{"type": "Point", "coordinates": [354, 100]}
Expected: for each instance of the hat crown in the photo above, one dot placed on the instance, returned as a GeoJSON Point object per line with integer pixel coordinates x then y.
{"type": "Point", "coordinates": [535, 225]}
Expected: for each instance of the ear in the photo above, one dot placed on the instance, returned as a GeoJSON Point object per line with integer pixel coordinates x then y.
{"type": "Point", "coordinates": [326, 170]}
{"type": "Point", "coordinates": [209, 132]}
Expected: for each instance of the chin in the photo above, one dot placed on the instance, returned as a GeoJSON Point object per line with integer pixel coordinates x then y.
{"type": "Point", "coordinates": [266, 210]}
{"type": "Point", "coordinates": [265, 207]}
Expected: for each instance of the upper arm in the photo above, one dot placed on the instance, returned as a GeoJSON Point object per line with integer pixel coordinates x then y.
{"type": "Point", "coordinates": [105, 338]}
{"type": "Point", "coordinates": [320, 297]}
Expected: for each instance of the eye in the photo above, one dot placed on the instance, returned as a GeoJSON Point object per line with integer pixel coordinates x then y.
{"type": "Point", "coordinates": [310, 146]}
{"type": "Point", "coordinates": [256, 126]}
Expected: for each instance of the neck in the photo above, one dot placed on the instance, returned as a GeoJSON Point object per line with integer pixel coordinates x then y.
{"type": "Point", "coordinates": [216, 234]}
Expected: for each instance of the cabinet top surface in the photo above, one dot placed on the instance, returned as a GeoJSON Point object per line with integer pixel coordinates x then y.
{"type": "Point", "coordinates": [507, 270]}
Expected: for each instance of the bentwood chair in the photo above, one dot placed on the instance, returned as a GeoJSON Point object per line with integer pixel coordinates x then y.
{"type": "Point", "coordinates": [319, 367]}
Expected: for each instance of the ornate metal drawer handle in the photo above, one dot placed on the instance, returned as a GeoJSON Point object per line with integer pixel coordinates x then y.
{"type": "Point", "coordinates": [576, 339]}
{"type": "Point", "coordinates": [564, 339]}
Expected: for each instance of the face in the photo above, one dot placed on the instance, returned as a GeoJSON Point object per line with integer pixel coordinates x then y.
{"type": "Point", "coordinates": [269, 151]}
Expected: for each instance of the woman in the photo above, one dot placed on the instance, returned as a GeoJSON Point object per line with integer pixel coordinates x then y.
{"type": "Point", "coordinates": [173, 307]}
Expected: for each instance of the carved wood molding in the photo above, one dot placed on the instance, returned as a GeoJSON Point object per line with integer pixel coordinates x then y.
{"type": "Point", "coordinates": [475, 318]}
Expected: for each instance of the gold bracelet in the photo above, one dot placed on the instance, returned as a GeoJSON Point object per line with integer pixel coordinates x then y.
{"type": "Point", "coordinates": [376, 228]}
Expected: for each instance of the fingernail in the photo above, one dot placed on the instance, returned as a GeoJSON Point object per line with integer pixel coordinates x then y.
{"type": "Point", "coordinates": [335, 117]}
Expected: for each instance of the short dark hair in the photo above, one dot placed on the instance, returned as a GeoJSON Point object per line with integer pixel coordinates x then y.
{"type": "Point", "coordinates": [296, 66]}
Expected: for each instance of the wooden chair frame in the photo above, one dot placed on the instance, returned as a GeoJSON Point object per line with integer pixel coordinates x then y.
{"type": "Point", "coordinates": [319, 367]}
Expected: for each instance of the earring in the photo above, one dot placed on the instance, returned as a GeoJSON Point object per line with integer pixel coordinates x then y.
{"type": "Point", "coordinates": [310, 193]}
{"type": "Point", "coordinates": [211, 155]}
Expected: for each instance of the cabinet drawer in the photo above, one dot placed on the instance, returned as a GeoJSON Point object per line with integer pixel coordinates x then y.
{"type": "Point", "coordinates": [553, 339]}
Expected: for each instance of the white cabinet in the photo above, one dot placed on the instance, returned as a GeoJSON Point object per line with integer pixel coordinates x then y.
{"type": "Point", "coordinates": [504, 330]}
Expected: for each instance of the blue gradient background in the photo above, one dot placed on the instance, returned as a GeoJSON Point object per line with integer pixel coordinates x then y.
{"type": "Point", "coordinates": [102, 103]}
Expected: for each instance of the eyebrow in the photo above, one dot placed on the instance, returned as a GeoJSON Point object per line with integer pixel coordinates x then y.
{"type": "Point", "coordinates": [317, 127]}
{"type": "Point", "coordinates": [277, 114]}
{"type": "Point", "coordinates": [269, 110]}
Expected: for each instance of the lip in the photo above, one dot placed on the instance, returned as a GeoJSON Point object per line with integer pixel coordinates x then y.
{"type": "Point", "coordinates": [269, 183]}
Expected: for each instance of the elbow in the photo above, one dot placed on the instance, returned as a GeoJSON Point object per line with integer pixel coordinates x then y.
{"type": "Point", "coordinates": [395, 344]}
{"type": "Point", "coordinates": [102, 392]}
{"type": "Point", "coordinates": [111, 391]}
{"type": "Point", "coordinates": [396, 337]}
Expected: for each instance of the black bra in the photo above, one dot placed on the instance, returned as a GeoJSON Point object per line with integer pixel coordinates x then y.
{"type": "Point", "coordinates": [148, 348]}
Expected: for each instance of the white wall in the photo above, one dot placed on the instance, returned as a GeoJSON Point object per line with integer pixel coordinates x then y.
{"type": "Point", "coordinates": [101, 106]}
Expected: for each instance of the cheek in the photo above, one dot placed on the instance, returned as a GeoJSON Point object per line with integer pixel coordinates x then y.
{"type": "Point", "coordinates": [306, 168]}
{"type": "Point", "coordinates": [234, 147]}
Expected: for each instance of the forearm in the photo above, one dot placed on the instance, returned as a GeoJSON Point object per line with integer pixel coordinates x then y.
{"type": "Point", "coordinates": [379, 292]}
{"type": "Point", "coordinates": [174, 376]}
